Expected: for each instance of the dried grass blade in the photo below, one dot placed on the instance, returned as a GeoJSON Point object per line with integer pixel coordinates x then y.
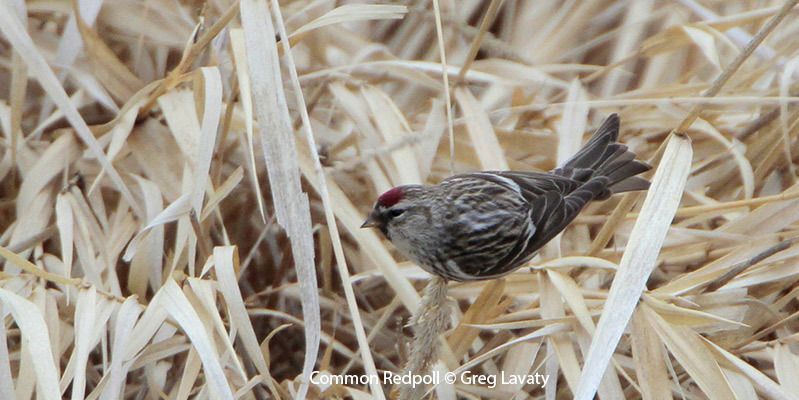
{"type": "Point", "coordinates": [222, 192]}
{"type": "Point", "coordinates": [559, 345]}
{"type": "Point", "coordinates": [125, 320]}
{"type": "Point", "coordinates": [180, 112]}
{"type": "Point", "coordinates": [579, 261]}
{"type": "Point", "coordinates": [484, 140]}
{"type": "Point", "coordinates": [33, 269]}
{"type": "Point", "coordinates": [226, 261]}
{"type": "Point", "coordinates": [763, 383]}
{"type": "Point", "coordinates": [34, 332]}
{"type": "Point", "coordinates": [291, 204]}
{"type": "Point", "coordinates": [191, 370]}
{"type": "Point", "coordinates": [153, 318]}
{"type": "Point", "coordinates": [352, 304]}
{"type": "Point", "coordinates": [391, 124]}
{"type": "Point", "coordinates": [119, 134]}
{"type": "Point", "coordinates": [65, 223]}
{"type": "Point", "coordinates": [172, 212]}
{"type": "Point", "coordinates": [610, 386]}
{"type": "Point", "coordinates": [212, 110]}
{"type": "Point", "coordinates": [352, 13]}
{"type": "Point", "coordinates": [145, 265]}
{"type": "Point", "coordinates": [538, 333]}
{"type": "Point", "coordinates": [243, 75]}
{"type": "Point", "coordinates": [787, 77]}
{"type": "Point", "coordinates": [571, 294]}
{"type": "Point", "coordinates": [482, 310]}
{"type": "Point", "coordinates": [573, 122]}
{"type": "Point", "coordinates": [178, 306]}
{"type": "Point", "coordinates": [427, 147]}
{"type": "Point", "coordinates": [786, 367]}
{"type": "Point", "coordinates": [445, 78]}
{"type": "Point", "coordinates": [737, 149]}
{"type": "Point", "coordinates": [638, 261]}
{"type": "Point", "coordinates": [61, 152]}
{"type": "Point", "coordinates": [706, 43]}
{"type": "Point", "coordinates": [16, 100]}
{"type": "Point", "coordinates": [648, 359]}
{"type": "Point", "coordinates": [203, 299]}
{"type": "Point", "coordinates": [6, 379]}
{"type": "Point", "coordinates": [687, 347]}
{"type": "Point", "coordinates": [85, 315]}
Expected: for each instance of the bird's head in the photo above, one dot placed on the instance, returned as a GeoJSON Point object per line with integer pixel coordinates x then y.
{"type": "Point", "coordinates": [397, 207]}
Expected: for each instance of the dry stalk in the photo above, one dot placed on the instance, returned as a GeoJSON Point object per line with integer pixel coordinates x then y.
{"type": "Point", "coordinates": [445, 79]}
{"type": "Point", "coordinates": [738, 268]}
{"type": "Point", "coordinates": [428, 323]}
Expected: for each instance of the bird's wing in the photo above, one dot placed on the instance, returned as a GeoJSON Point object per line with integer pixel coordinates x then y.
{"type": "Point", "coordinates": [554, 202]}
{"type": "Point", "coordinates": [534, 184]}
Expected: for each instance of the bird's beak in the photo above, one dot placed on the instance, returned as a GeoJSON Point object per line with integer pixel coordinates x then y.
{"type": "Point", "coordinates": [370, 222]}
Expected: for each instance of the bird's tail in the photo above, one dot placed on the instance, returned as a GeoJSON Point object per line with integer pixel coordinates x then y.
{"type": "Point", "coordinates": [602, 156]}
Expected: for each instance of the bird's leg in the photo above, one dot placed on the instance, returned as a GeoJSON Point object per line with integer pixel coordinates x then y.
{"type": "Point", "coordinates": [429, 321]}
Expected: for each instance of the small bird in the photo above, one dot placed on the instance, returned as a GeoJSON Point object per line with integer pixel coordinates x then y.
{"type": "Point", "coordinates": [484, 225]}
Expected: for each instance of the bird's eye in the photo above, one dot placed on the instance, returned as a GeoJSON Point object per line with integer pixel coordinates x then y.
{"type": "Point", "coordinates": [395, 212]}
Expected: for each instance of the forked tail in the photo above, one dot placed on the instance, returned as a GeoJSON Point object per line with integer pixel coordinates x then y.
{"type": "Point", "coordinates": [602, 156]}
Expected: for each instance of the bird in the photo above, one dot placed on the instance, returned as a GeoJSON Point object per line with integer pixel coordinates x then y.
{"type": "Point", "coordinates": [484, 225]}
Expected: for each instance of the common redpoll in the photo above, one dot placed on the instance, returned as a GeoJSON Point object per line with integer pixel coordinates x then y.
{"type": "Point", "coordinates": [484, 225]}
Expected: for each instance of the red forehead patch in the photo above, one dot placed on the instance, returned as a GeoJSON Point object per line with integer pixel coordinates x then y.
{"type": "Point", "coordinates": [391, 197]}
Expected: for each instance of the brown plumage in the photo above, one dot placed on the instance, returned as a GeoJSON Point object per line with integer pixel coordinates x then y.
{"type": "Point", "coordinates": [486, 224]}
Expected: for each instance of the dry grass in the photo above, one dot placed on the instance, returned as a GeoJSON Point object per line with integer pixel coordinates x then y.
{"type": "Point", "coordinates": [167, 232]}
